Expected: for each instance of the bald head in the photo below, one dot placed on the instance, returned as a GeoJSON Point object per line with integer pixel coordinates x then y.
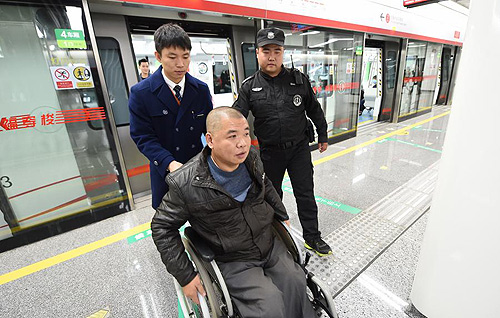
{"type": "Point", "coordinates": [216, 116]}
{"type": "Point", "coordinates": [228, 135]}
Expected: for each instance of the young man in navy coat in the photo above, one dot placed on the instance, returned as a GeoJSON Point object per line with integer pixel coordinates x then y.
{"type": "Point", "coordinates": [168, 110]}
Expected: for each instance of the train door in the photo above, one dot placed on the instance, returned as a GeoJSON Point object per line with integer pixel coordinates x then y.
{"type": "Point", "coordinates": [371, 85]}
{"type": "Point", "coordinates": [380, 77]}
{"type": "Point", "coordinates": [446, 70]}
{"type": "Point", "coordinates": [123, 41]}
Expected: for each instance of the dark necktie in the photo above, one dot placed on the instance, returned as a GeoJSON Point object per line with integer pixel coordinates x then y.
{"type": "Point", "coordinates": [177, 90]}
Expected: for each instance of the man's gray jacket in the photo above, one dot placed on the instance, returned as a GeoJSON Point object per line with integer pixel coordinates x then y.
{"type": "Point", "coordinates": [235, 230]}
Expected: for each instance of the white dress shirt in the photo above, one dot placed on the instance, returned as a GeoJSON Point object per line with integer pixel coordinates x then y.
{"type": "Point", "coordinates": [172, 84]}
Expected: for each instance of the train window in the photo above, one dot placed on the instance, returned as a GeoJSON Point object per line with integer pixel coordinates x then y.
{"type": "Point", "coordinates": [59, 163]}
{"type": "Point", "coordinates": [329, 60]}
{"type": "Point", "coordinates": [144, 48]}
{"type": "Point", "coordinates": [114, 73]}
{"type": "Point", "coordinates": [249, 59]}
{"type": "Point", "coordinates": [209, 63]}
{"type": "Point", "coordinates": [391, 66]}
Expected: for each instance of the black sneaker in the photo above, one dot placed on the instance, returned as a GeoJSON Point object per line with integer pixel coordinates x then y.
{"type": "Point", "coordinates": [319, 246]}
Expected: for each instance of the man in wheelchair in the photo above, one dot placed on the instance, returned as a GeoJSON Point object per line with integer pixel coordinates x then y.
{"type": "Point", "coordinates": [225, 195]}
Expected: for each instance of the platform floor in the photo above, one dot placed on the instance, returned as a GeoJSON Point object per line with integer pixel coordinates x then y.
{"type": "Point", "coordinates": [372, 192]}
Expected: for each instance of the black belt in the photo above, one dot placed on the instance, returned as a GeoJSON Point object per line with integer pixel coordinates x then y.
{"type": "Point", "coordinates": [282, 146]}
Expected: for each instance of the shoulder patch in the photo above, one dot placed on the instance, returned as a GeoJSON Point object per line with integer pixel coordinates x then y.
{"type": "Point", "coordinates": [247, 79]}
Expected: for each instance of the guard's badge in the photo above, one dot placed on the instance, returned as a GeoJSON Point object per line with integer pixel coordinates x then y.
{"type": "Point", "coordinates": [270, 35]}
{"type": "Point", "coordinates": [297, 100]}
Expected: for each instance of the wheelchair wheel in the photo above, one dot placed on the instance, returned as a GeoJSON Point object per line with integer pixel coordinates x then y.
{"type": "Point", "coordinates": [212, 303]}
{"type": "Point", "coordinates": [320, 297]}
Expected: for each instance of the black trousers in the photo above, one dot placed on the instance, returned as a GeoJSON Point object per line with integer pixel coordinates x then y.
{"type": "Point", "coordinates": [297, 161]}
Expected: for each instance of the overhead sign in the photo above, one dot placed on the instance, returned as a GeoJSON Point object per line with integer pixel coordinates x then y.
{"type": "Point", "coordinates": [416, 3]}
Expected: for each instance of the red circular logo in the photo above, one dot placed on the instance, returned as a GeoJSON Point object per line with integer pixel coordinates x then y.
{"type": "Point", "coordinates": [387, 18]}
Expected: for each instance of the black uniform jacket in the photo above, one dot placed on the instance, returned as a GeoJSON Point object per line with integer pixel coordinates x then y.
{"type": "Point", "coordinates": [279, 106]}
{"type": "Point", "coordinates": [237, 231]}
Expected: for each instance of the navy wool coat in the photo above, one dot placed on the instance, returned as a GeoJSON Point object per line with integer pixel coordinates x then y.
{"type": "Point", "coordinates": [165, 131]}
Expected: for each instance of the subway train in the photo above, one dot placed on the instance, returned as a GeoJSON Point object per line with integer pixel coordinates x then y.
{"type": "Point", "coordinates": [67, 67]}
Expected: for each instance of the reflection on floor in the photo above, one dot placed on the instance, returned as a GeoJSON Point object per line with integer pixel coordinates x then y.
{"type": "Point", "coordinates": [128, 279]}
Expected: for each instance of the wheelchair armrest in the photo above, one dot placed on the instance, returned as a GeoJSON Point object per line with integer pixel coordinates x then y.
{"type": "Point", "coordinates": [199, 245]}
{"type": "Point", "coordinates": [280, 216]}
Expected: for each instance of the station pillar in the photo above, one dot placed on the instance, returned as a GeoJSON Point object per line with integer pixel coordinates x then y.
{"type": "Point", "coordinates": [458, 273]}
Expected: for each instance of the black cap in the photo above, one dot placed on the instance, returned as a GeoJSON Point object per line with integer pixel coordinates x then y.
{"type": "Point", "coordinates": [270, 36]}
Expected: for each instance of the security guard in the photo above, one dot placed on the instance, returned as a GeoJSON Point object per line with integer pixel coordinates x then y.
{"type": "Point", "coordinates": [280, 99]}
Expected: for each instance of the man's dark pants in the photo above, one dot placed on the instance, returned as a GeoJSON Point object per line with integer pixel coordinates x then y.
{"type": "Point", "coordinates": [297, 161]}
{"type": "Point", "coordinates": [274, 287]}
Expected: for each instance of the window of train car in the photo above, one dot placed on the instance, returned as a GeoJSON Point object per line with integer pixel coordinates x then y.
{"type": "Point", "coordinates": [209, 63]}
{"type": "Point", "coordinates": [114, 73]}
{"type": "Point", "coordinates": [331, 61]}
{"type": "Point", "coordinates": [249, 59]}
{"type": "Point", "coordinates": [58, 157]}
{"type": "Point", "coordinates": [420, 77]}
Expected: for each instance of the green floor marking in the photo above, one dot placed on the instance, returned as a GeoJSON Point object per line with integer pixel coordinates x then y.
{"type": "Point", "coordinates": [139, 236]}
{"type": "Point", "coordinates": [414, 145]}
{"type": "Point", "coordinates": [147, 233]}
{"type": "Point", "coordinates": [433, 130]}
{"type": "Point", "coordinates": [179, 309]}
{"type": "Point", "coordinates": [335, 204]}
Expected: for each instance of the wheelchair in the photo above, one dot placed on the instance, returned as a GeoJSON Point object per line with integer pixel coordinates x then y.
{"type": "Point", "coordinates": [217, 302]}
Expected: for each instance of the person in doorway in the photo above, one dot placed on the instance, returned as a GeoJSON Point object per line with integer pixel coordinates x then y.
{"type": "Point", "coordinates": [373, 82]}
{"type": "Point", "coordinates": [225, 195]}
{"type": "Point", "coordinates": [144, 68]}
{"type": "Point", "coordinates": [168, 109]}
{"type": "Point", "coordinates": [362, 102]}
{"type": "Point", "coordinates": [280, 98]}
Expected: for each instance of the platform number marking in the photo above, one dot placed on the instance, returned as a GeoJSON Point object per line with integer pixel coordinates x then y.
{"type": "Point", "coordinates": [6, 183]}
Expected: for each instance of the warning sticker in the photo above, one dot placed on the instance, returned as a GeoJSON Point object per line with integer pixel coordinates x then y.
{"type": "Point", "coordinates": [61, 77]}
{"type": "Point", "coordinates": [71, 77]}
{"type": "Point", "coordinates": [81, 73]}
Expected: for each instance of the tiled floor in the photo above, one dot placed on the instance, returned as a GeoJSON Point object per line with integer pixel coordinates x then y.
{"type": "Point", "coordinates": [128, 279]}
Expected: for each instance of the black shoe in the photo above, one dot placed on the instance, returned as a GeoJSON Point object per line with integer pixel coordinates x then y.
{"type": "Point", "coordinates": [319, 246]}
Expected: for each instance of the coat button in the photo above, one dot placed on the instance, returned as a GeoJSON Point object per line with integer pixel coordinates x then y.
{"type": "Point", "coordinates": [155, 163]}
{"type": "Point", "coordinates": [191, 128]}
{"type": "Point", "coordinates": [177, 129]}
{"type": "Point", "coordinates": [192, 146]}
{"type": "Point", "coordinates": [165, 112]}
{"type": "Point", "coordinates": [177, 148]}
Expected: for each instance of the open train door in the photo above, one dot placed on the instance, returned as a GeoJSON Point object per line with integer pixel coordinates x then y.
{"type": "Point", "coordinates": [386, 76]}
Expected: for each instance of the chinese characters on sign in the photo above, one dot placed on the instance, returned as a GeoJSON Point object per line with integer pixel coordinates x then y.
{"type": "Point", "coordinates": [70, 39]}
{"type": "Point", "coordinates": [56, 118]}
